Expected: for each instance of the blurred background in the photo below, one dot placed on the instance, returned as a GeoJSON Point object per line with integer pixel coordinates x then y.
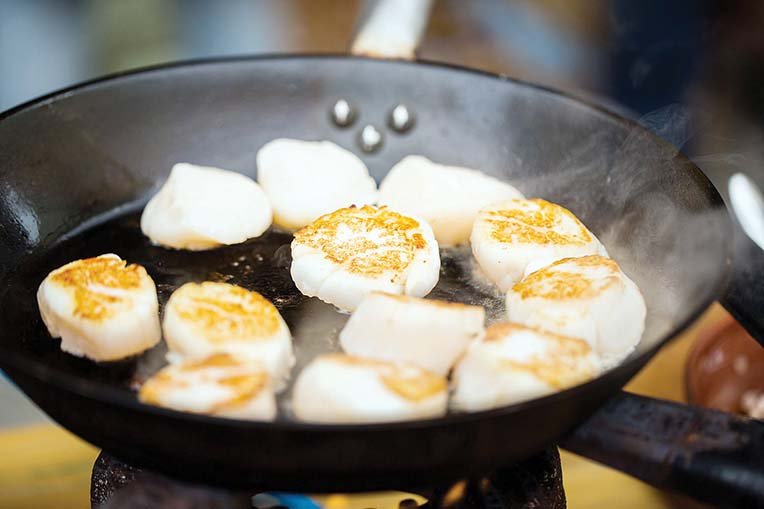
{"type": "Point", "coordinates": [690, 70]}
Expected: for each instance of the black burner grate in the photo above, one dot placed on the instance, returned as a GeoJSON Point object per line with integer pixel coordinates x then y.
{"type": "Point", "coordinates": [534, 483]}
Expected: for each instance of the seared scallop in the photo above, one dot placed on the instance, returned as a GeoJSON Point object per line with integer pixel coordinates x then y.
{"type": "Point", "coordinates": [101, 308]}
{"type": "Point", "coordinates": [515, 363]}
{"type": "Point", "coordinates": [343, 256]}
{"type": "Point", "coordinates": [206, 318]}
{"type": "Point", "coordinates": [200, 207]}
{"type": "Point", "coordinates": [447, 197]}
{"type": "Point", "coordinates": [220, 385]}
{"type": "Point", "coordinates": [432, 334]}
{"type": "Point", "coordinates": [515, 237]}
{"type": "Point", "coordinates": [337, 388]}
{"type": "Point", "coordinates": [307, 179]}
{"type": "Point", "coordinates": [588, 298]}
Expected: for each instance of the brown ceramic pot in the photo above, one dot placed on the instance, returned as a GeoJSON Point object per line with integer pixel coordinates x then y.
{"type": "Point", "coordinates": [723, 364]}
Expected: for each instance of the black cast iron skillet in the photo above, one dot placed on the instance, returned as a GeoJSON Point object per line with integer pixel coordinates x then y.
{"type": "Point", "coordinates": [77, 166]}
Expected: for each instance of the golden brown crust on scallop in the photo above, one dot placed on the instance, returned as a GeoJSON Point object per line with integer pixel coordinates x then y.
{"type": "Point", "coordinates": [95, 284]}
{"type": "Point", "coordinates": [243, 386]}
{"type": "Point", "coordinates": [406, 380]}
{"type": "Point", "coordinates": [216, 360]}
{"type": "Point", "coordinates": [225, 312]}
{"type": "Point", "coordinates": [245, 389]}
{"type": "Point", "coordinates": [559, 367]}
{"type": "Point", "coordinates": [555, 283]}
{"type": "Point", "coordinates": [365, 240]}
{"type": "Point", "coordinates": [407, 299]}
{"type": "Point", "coordinates": [534, 225]}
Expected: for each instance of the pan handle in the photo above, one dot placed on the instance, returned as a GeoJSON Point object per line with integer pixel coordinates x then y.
{"type": "Point", "coordinates": [392, 29]}
{"type": "Point", "coordinates": [708, 455]}
{"type": "Point", "coordinates": [744, 296]}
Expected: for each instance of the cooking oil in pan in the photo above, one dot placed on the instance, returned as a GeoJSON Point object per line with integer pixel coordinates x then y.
{"type": "Point", "coordinates": [261, 265]}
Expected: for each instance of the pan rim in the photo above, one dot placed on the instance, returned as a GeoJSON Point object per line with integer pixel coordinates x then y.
{"type": "Point", "coordinates": [113, 396]}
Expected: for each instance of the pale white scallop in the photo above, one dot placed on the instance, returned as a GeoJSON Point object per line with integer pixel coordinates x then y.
{"type": "Point", "coordinates": [447, 197]}
{"type": "Point", "coordinates": [307, 179]}
{"type": "Point", "coordinates": [201, 207]}
{"type": "Point", "coordinates": [432, 334]}
{"type": "Point", "coordinates": [338, 388]}
{"type": "Point", "coordinates": [345, 255]}
{"type": "Point", "coordinates": [588, 298]}
{"type": "Point", "coordinates": [219, 385]}
{"type": "Point", "coordinates": [206, 318]}
{"type": "Point", "coordinates": [516, 237]}
{"type": "Point", "coordinates": [101, 308]}
{"type": "Point", "coordinates": [515, 363]}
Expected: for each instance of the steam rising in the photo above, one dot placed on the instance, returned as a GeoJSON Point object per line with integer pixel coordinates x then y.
{"type": "Point", "coordinates": [624, 186]}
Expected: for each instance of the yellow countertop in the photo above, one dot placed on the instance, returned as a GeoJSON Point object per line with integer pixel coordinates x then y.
{"type": "Point", "coordinates": [46, 466]}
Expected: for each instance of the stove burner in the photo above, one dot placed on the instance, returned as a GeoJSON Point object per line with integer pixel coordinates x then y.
{"type": "Point", "coordinates": [534, 483]}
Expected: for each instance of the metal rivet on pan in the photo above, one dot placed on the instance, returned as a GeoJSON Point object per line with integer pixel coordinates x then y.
{"type": "Point", "coordinates": [343, 113]}
{"type": "Point", "coordinates": [370, 139]}
{"type": "Point", "coordinates": [401, 118]}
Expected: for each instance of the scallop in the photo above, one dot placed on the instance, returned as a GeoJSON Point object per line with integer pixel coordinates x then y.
{"type": "Point", "coordinates": [515, 237]}
{"type": "Point", "coordinates": [219, 385]}
{"type": "Point", "coordinates": [205, 318]}
{"type": "Point", "coordinates": [201, 207]}
{"type": "Point", "coordinates": [515, 363]}
{"type": "Point", "coordinates": [587, 297]}
{"type": "Point", "coordinates": [339, 388]}
{"type": "Point", "coordinates": [430, 333]}
{"type": "Point", "coordinates": [307, 179]}
{"type": "Point", "coordinates": [101, 308]}
{"type": "Point", "coordinates": [447, 197]}
{"type": "Point", "coordinates": [345, 255]}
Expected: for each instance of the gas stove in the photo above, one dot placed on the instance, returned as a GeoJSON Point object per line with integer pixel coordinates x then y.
{"type": "Point", "coordinates": [534, 483]}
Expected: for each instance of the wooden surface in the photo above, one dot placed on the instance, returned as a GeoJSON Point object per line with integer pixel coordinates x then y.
{"type": "Point", "coordinates": [45, 466]}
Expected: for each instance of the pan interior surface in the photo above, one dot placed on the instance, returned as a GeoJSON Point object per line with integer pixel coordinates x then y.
{"type": "Point", "coordinates": [260, 264]}
{"type": "Point", "coordinates": [76, 168]}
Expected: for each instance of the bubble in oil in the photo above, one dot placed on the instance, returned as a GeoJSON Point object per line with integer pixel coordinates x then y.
{"type": "Point", "coordinates": [461, 280]}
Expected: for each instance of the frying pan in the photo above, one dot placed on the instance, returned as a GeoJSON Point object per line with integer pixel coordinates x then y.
{"type": "Point", "coordinates": [76, 167]}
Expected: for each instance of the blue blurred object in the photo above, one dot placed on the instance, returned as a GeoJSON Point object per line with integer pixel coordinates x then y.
{"type": "Point", "coordinates": [43, 46]}
{"type": "Point", "coordinates": [520, 28]}
{"type": "Point", "coordinates": [50, 44]}
{"type": "Point", "coordinates": [274, 499]}
{"type": "Point", "coordinates": [233, 27]}
{"type": "Point", "coordinates": [657, 50]}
